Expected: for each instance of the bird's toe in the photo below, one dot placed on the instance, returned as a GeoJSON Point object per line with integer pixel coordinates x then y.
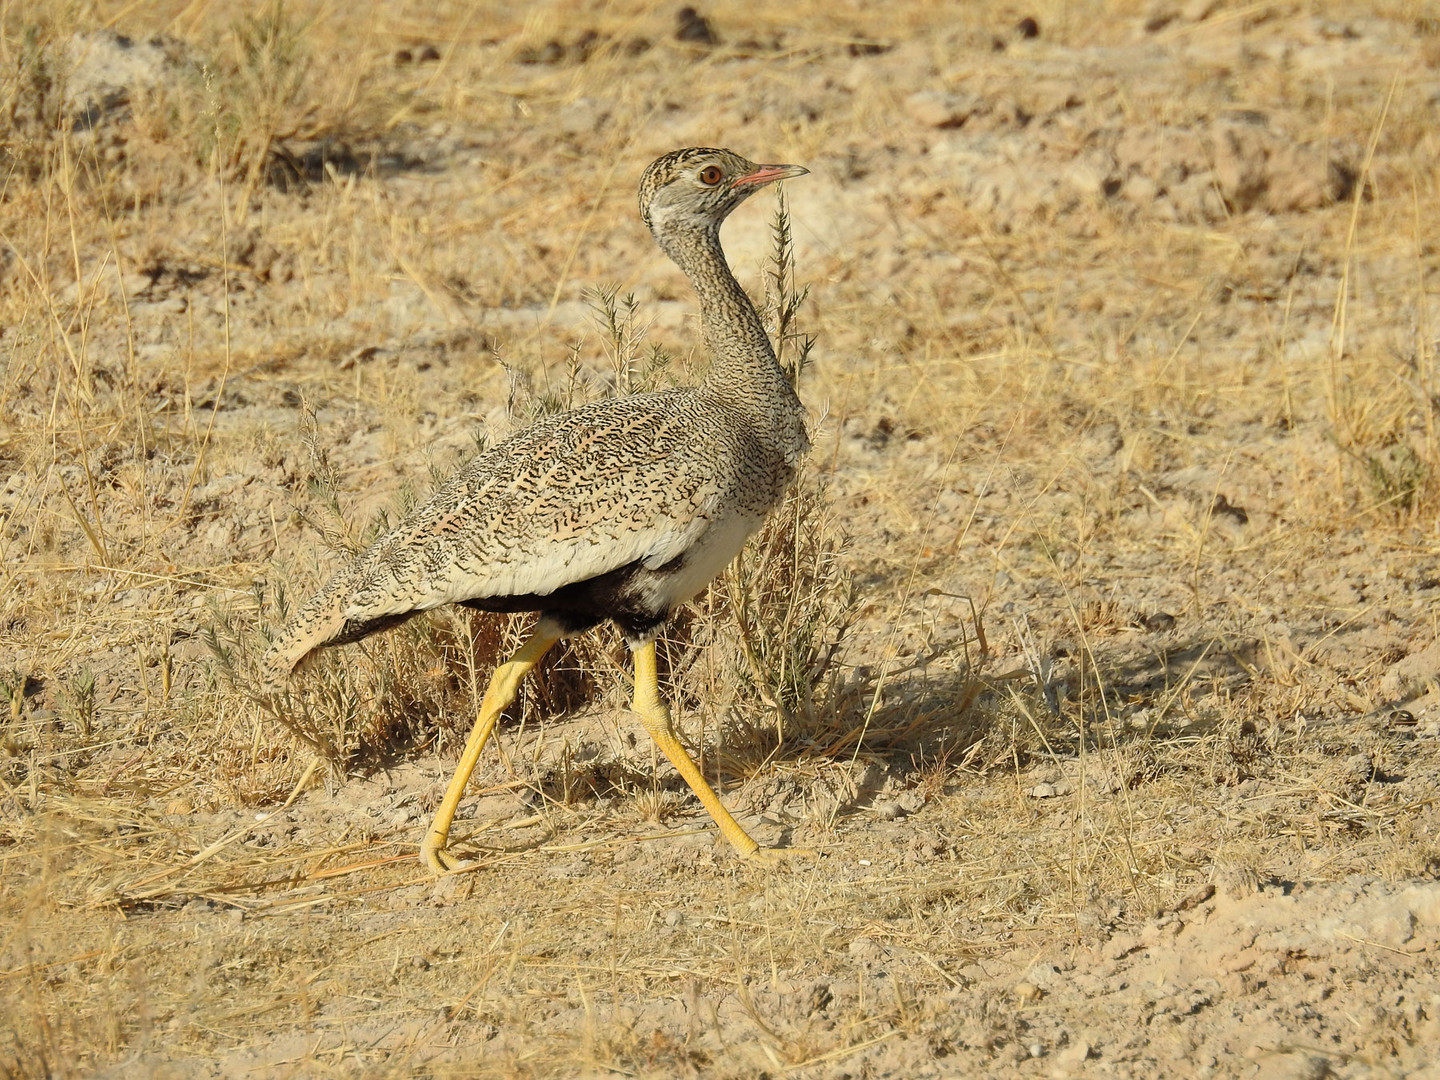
{"type": "Point", "coordinates": [771, 858]}
{"type": "Point", "coordinates": [442, 862]}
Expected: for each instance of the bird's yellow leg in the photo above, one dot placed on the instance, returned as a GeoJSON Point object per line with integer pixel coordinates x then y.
{"type": "Point", "coordinates": [499, 694]}
{"type": "Point", "coordinates": [656, 715]}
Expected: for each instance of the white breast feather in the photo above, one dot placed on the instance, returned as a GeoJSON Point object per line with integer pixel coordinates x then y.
{"type": "Point", "coordinates": [705, 559]}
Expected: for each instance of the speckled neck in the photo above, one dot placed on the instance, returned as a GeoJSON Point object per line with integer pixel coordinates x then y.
{"type": "Point", "coordinates": [743, 370]}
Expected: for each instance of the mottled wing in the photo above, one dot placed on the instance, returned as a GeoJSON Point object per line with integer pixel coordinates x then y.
{"type": "Point", "coordinates": [573, 497]}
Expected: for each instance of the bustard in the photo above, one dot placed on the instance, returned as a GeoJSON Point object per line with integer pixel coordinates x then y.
{"type": "Point", "coordinates": [621, 510]}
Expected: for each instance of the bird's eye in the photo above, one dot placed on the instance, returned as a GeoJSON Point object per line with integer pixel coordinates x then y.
{"type": "Point", "coordinates": [710, 175]}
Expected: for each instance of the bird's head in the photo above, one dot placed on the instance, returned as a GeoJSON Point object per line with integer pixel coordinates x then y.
{"type": "Point", "coordinates": [696, 188]}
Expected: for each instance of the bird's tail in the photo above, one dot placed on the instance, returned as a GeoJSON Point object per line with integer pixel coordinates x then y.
{"type": "Point", "coordinates": [318, 623]}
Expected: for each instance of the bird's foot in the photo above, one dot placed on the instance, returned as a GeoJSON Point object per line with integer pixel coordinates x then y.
{"type": "Point", "coordinates": [772, 858]}
{"type": "Point", "coordinates": [440, 861]}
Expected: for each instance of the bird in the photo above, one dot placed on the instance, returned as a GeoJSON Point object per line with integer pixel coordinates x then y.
{"type": "Point", "coordinates": [620, 510]}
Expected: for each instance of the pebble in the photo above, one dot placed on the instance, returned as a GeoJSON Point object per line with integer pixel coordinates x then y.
{"type": "Point", "coordinates": [889, 810]}
{"type": "Point", "coordinates": [863, 950]}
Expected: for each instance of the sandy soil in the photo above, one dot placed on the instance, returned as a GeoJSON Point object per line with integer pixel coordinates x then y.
{"type": "Point", "coordinates": [1125, 392]}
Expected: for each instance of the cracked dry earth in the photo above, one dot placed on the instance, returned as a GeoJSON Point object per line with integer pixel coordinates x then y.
{"type": "Point", "coordinates": [1125, 394]}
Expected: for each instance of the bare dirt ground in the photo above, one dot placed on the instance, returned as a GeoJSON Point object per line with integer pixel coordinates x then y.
{"type": "Point", "coordinates": [1104, 681]}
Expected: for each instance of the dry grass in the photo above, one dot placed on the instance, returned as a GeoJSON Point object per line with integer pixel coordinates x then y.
{"type": "Point", "coordinates": [251, 323]}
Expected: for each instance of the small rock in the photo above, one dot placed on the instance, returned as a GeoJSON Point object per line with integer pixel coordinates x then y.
{"type": "Point", "coordinates": [1158, 622]}
{"type": "Point", "coordinates": [1087, 179]}
{"type": "Point", "coordinates": [402, 817]}
{"type": "Point", "coordinates": [1158, 18]}
{"type": "Point", "coordinates": [1195, 898]}
{"type": "Point", "coordinates": [1358, 769]}
{"type": "Point", "coordinates": [939, 110]}
{"type": "Point", "coordinates": [1073, 1054]}
{"type": "Point", "coordinates": [693, 27]}
{"type": "Point", "coordinates": [135, 285]}
{"type": "Point", "coordinates": [1043, 975]}
{"type": "Point", "coordinates": [447, 889]}
{"type": "Point", "coordinates": [1298, 1065]}
{"type": "Point", "coordinates": [864, 950]}
{"type": "Point", "coordinates": [1119, 946]}
{"type": "Point", "coordinates": [911, 801]}
{"type": "Point", "coordinates": [1027, 993]}
{"type": "Point", "coordinates": [1139, 189]}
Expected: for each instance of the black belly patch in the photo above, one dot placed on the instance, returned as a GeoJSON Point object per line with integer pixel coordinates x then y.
{"type": "Point", "coordinates": [618, 595]}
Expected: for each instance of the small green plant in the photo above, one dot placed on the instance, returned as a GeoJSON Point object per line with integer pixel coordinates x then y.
{"type": "Point", "coordinates": [350, 714]}
{"type": "Point", "coordinates": [1397, 475]}
{"type": "Point", "coordinates": [250, 100]}
{"type": "Point", "coordinates": [792, 602]}
{"type": "Point", "coordinates": [619, 321]}
{"type": "Point", "coordinates": [784, 297]}
{"type": "Point", "coordinates": [32, 83]}
{"type": "Point", "coordinates": [322, 511]}
{"type": "Point", "coordinates": [12, 687]}
{"type": "Point", "coordinates": [79, 693]}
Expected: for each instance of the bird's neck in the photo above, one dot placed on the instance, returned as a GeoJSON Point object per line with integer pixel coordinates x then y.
{"type": "Point", "coordinates": [743, 368]}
